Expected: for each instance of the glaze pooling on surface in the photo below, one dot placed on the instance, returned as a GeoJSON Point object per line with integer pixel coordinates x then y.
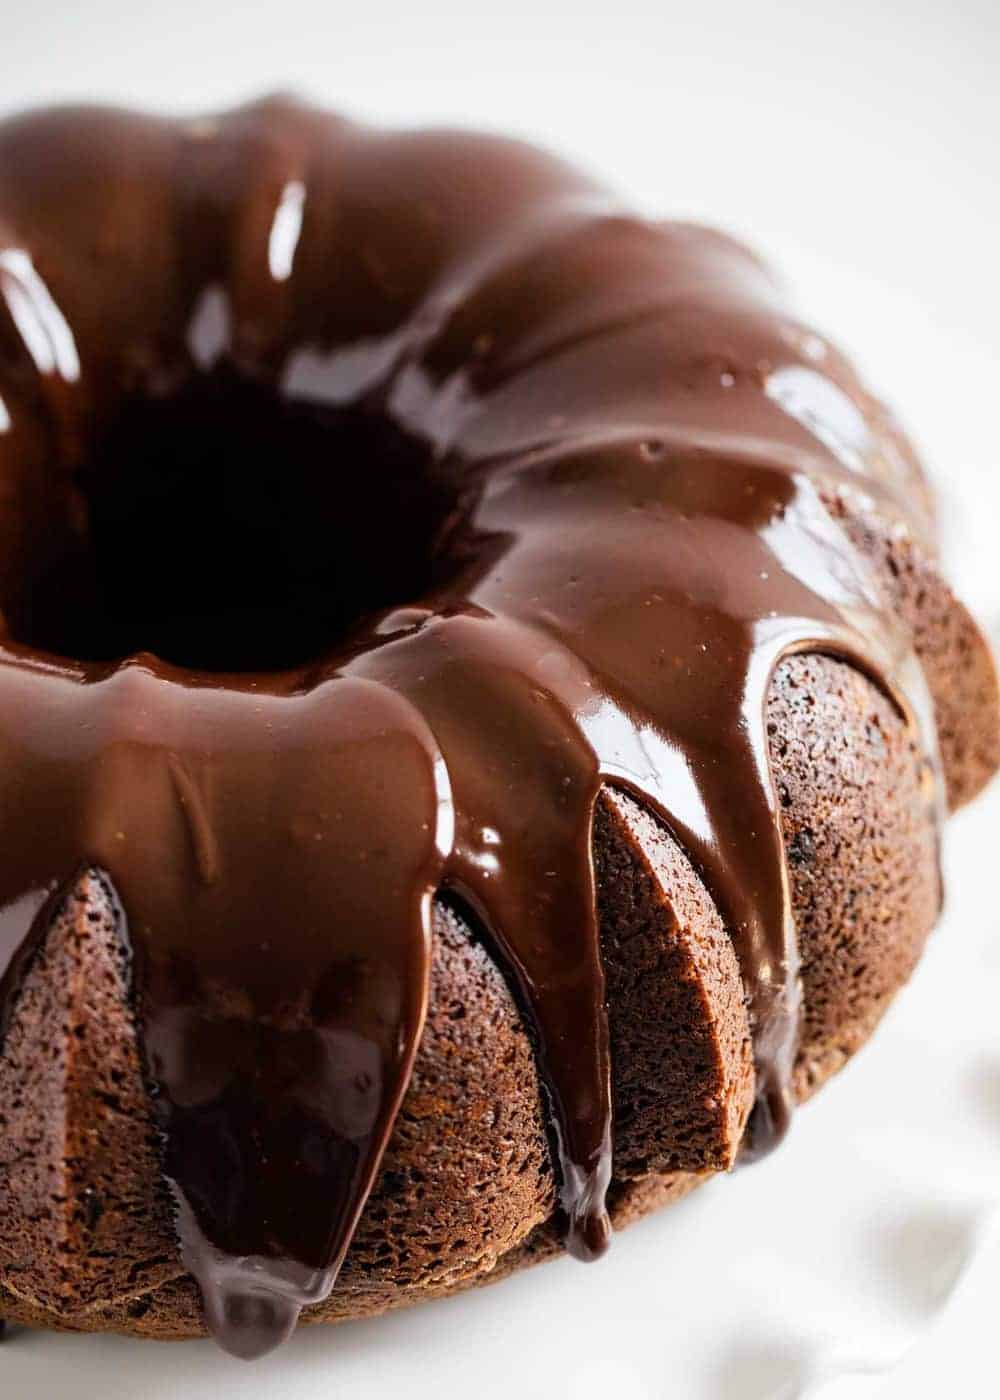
{"type": "Point", "coordinates": [445, 491]}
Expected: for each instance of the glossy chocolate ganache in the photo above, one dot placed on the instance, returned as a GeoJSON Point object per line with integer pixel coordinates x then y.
{"type": "Point", "coordinates": [370, 500]}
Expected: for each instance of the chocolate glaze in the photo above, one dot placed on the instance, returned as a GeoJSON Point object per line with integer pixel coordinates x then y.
{"type": "Point", "coordinates": [370, 500]}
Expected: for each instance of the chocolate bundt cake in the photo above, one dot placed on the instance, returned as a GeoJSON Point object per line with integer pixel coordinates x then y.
{"type": "Point", "coordinates": [477, 700]}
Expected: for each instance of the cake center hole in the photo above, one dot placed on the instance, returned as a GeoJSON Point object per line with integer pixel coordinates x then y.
{"type": "Point", "coordinates": [229, 529]}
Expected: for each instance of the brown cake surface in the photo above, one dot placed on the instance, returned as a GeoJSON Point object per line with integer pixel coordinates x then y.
{"type": "Point", "coordinates": [522, 783]}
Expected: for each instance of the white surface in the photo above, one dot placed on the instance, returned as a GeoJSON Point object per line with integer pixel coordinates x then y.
{"type": "Point", "coordinates": [855, 142]}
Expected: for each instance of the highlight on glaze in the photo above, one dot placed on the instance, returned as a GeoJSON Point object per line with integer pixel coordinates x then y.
{"type": "Point", "coordinates": [502, 494]}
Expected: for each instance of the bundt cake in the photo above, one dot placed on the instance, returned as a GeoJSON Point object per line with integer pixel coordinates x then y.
{"type": "Point", "coordinates": [477, 699]}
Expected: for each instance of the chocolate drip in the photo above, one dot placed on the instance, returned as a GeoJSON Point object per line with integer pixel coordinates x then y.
{"type": "Point", "coordinates": [445, 492]}
{"type": "Point", "coordinates": [279, 1031]}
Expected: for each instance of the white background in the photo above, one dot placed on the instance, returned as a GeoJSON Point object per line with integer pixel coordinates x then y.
{"type": "Point", "coordinates": [856, 143]}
